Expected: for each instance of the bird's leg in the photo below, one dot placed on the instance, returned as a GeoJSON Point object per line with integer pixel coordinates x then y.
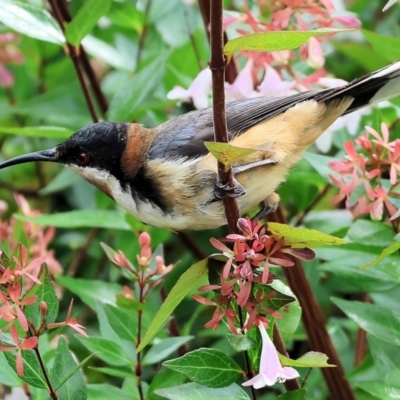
{"type": "Point", "coordinates": [239, 169]}
{"type": "Point", "coordinates": [268, 206]}
{"type": "Point", "coordinates": [224, 190]}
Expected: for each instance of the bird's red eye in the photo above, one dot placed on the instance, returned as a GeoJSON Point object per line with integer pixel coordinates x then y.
{"type": "Point", "coordinates": [82, 159]}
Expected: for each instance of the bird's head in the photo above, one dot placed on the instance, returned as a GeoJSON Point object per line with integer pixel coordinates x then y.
{"type": "Point", "coordinates": [94, 152]}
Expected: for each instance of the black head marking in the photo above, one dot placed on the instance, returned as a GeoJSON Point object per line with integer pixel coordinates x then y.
{"type": "Point", "coordinates": [99, 146]}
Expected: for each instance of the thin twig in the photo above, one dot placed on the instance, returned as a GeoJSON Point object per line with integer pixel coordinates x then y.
{"type": "Point", "coordinates": [193, 42]}
{"type": "Point", "coordinates": [143, 33]}
{"type": "Point", "coordinates": [73, 54]}
{"type": "Point", "coordinates": [138, 368]}
{"type": "Point", "coordinates": [50, 389]}
{"type": "Point", "coordinates": [320, 196]}
{"type": "Point", "coordinates": [191, 245]}
{"type": "Point", "coordinates": [314, 324]}
{"type": "Point", "coordinates": [361, 341]}
{"type": "Point", "coordinates": [230, 70]}
{"type": "Point", "coordinates": [84, 59]}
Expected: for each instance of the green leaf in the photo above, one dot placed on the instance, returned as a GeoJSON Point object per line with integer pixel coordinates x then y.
{"type": "Point", "coordinates": [108, 54]}
{"type": "Point", "coordinates": [164, 348]}
{"type": "Point", "coordinates": [33, 374]}
{"type": "Point", "coordinates": [119, 372]}
{"type": "Point", "coordinates": [228, 154]}
{"type": "Point", "coordinates": [240, 342]}
{"type": "Point", "coordinates": [299, 394]}
{"type": "Point", "coordinates": [370, 233]}
{"type": "Point", "coordinates": [62, 181]}
{"type": "Point", "coordinates": [347, 269]}
{"type": "Point", "coordinates": [300, 237]}
{"type": "Point", "coordinates": [91, 291]}
{"type": "Point", "coordinates": [385, 46]}
{"type": "Point", "coordinates": [385, 355]}
{"type": "Point", "coordinates": [385, 253]}
{"type": "Point", "coordinates": [312, 359]}
{"type": "Point", "coordinates": [85, 20]}
{"type": "Point", "coordinates": [105, 391]}
{"type": "Point", "coordinates": [274, 41]}
{"type": "Point", "coordinates": [66, 376]}
{"type": "Point", "coordinates": [129, 304]}
{"type": "Point", "coordinates": [320, 164]}
{"type": "Point", "coordinates": [190, 391]}
{"type": "Point", "coordinates": [31, 21]}
{"type": "Point", "coordinates": [275, 303]}
{"type": "Point", "coordinates": [53, 132]}
{"type": "Point", "coordinates": [291, 314]}
{"type": "Point", "coordinates": [8, 377]}
{"type": "Point", "coordinates": [142, 85]}
{"type": "Point", "coordinates": [209, 367]}
{"type": "Point", "coordinates": [376, 320]}
{"type": "Point", "coordinates": [46, 293]}
{"type": "Point", "coordinates": [80, 219]}
{"type": "Point", "coordinates": [186, 281]}
{"type": "Point", "coordinates": [381, 390]}
{"type": "Point", "coordinates": [255, 353]}
{"type": "Point", "coordinates": [108, 351]}
{"type": "Point", "coordinates": [124, 323]}
{"type": "Point", "coordinates": [164, 378]}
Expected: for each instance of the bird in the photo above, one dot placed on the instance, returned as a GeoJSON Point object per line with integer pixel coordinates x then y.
{"type": "Point", "coordinates": [166, 177]}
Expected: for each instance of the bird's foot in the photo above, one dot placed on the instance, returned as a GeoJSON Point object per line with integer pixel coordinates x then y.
{"type": "Point", "coordinates": [224, 190]}
{"type": "Point", "coordinates": [268, 206]}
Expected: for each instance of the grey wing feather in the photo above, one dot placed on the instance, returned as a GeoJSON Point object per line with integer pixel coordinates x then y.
{"type": "Point", "coordinates": [185, 135]}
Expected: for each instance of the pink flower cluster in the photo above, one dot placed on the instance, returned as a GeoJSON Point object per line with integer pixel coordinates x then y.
{"type": "Point", "coordinates": [149, 271]}
{"type": "Point", "coordinates": [374, 167]}
{"type": "Point", "coordinates": [16, 277]}
{"type": "Point", "coordinates": [8, 54]}
{"type": "Point", "coordinates": [39, 238]}
{"type": "Point", "coordinates": [245, 272]}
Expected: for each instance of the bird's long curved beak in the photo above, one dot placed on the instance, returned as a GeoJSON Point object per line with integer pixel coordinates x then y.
{"type": "Point", "coordinates": [44, 155]}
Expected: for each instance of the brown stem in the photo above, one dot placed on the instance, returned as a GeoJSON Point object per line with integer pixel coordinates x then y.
{"type": "Point", "coordinates": [194, 44]}
{"type": "Point", "coordinates": [291, 384]}
{"type": "Point", "coordinates": [217, 66]}
{"type": "Point", "coordinates": [143, 33]}
{"type": "Point", "coordinates": [73, 53]}
{"type": "Point", "coordinates": [361, 341]}
{"type": "Point", "coordinates": [50, 389]}
{"type": "Point", "coordinates": [314, 324]}
{"type": "Point", "coordinates": [138, 369]}
{"type": "Point", "coordinates": [84, 59]}
{"type": "Point", "coordinates": [191, 245]}
{"type": "Point", "coordinates": [230, 70]}
{"type": "Point", "coordinates": [312, 205]}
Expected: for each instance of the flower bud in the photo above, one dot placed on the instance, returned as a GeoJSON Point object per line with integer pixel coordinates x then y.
{"type": "Point", "coordinates": [144, 239]}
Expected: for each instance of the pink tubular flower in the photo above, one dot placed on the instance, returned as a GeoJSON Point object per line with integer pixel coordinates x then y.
{"type": "Point", "coordinates": [271, 370]}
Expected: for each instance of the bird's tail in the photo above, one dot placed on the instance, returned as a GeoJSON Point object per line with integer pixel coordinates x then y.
{"type": "Point", "coordinates": [377, 86]}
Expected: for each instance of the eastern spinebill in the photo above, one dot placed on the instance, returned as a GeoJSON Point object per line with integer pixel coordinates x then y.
{"type": "Point", "coordinates": [166, 177]}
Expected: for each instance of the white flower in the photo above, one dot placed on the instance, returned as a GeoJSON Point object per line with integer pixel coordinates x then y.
{"type": "Point", "coordinates": [271, 370]}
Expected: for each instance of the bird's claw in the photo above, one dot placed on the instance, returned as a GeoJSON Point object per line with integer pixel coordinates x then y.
{"type": "Point", "coordinates": [222, 190]}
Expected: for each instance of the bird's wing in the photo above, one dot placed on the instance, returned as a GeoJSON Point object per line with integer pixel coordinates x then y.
{"type": "Point", "coordinates": [185, 136]}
